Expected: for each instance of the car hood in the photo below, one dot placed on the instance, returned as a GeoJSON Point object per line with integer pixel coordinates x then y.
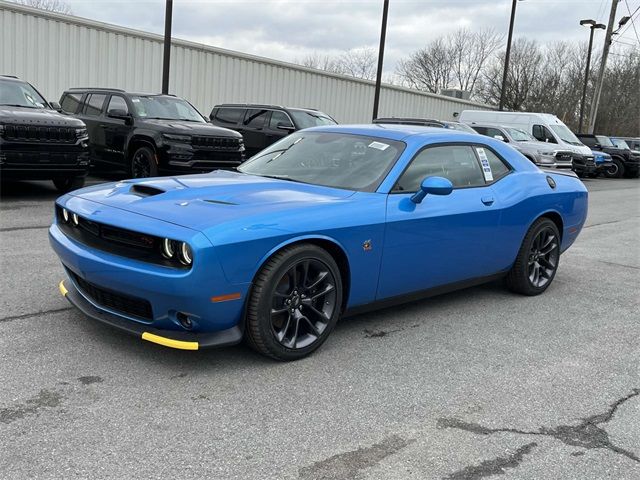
{"type": "Point", "coordinates": [204, 201]}
{"type": "Point", "coordinates": [189, 128]}
{"type": "Point", "coordinates": [37, 116]}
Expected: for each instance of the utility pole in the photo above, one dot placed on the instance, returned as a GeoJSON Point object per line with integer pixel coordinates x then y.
{"type": "Point", "coordinates": [383, 36]}
{"type": "Point", "coordinates": [166, 60]}
{"type": "Point", "coordinates": [593, 26]}
{"type": "Point", "coordinates": [593, 113]}
{"type": "Point", "coordinates": [503, 89]}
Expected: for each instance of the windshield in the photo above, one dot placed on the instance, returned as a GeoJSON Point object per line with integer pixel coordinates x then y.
{"type": "Point", "coordinates": [20, 94]}
{"type": "Point", "coordinates": [520, 136]}
{"type": "Point", "coordinates": [604, 141]}
{"type": "Point", "coordinates": [460, 126]}
{"type": "Point", "coordinates": [565, 134]}
{"type": "Point", "coordinates": [307, 119]}
{"type": "Point", "coordinates": [620, 143]}
{"type": "Point", "coordinates": [353, 162]}
{"type": "Point", "coordinates": [165, 108]}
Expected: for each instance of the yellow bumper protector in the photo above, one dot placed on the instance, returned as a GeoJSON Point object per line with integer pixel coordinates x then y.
{"type": "Point", "coordinates": [63, 289]}
{"type": "Point", "coordinates": [168, 342]}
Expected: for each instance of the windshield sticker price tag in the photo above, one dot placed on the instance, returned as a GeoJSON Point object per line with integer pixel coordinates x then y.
{"type": "Point", "coordinates": [378, 145]}
{"type": "Point", "coordinates": [484, 161]}
{"type": "Point", "coordinates": [135, 100]}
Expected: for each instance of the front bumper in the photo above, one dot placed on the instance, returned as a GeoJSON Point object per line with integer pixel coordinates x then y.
{"type": "Point", "coordinates": [43, 162]}
{"type": "Point", "coordinates": [167, 338]}
{"type": "Point", "coordinates": [183, 158]}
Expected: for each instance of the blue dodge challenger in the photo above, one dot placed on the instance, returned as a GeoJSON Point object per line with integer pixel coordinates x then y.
{"type": "Point", "coordinates": [326, 222]}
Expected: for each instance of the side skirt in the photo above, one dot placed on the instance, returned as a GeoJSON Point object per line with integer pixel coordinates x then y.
{"type": "Point", "coordinates": [420, 295]}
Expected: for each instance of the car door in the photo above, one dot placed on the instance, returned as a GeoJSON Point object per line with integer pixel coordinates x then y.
{"type": "Point", "coordinates": [92, 115]}
{"type": "Point", "coordinates": [444, 239]}
{"type": "Point", "coordinates": [253, 130]}
{"type": "Point", "coordinates": [278, 126]}
{"type": "Point", "coordinates": [116, 131]}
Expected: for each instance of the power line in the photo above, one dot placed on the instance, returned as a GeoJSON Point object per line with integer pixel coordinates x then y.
{"type": "Point", "coordinates": [631, 19]}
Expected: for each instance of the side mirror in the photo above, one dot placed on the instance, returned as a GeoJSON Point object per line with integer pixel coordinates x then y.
{"type": "Point", "coordinates": [286, 126]}
{"type": "Point", "coordinates": [499, 137]}
{"type": "Point", "coordinates": [433, 186]}
{"type": "Point", "coordinates": [120, 114]}
{"type": "Point", "coordinates": [598, 146]}
{"type": "Point", "coordinates": [55, 106]}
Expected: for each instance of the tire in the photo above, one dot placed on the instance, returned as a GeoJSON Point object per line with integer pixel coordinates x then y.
{"type": "Point", "coordinates": [542, 237]}
{"type": "Point", "coordinates": [616, 170]}
{"type": "Point", "coordinates": [295, 303]}
{"type": "Point", "coordinates": [143, 163]}
{"type": "Point", "coordinates": [68, 184]}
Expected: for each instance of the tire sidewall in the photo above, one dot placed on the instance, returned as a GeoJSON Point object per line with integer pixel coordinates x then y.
{"type": "Point", "coordinates": [619, 171]}
{"type": "Point", "coordinates": [533, 233]}
{"type": "Point", "coordinates": [266, 295]}
{"type": "Point", "coordinates": [149, 154]}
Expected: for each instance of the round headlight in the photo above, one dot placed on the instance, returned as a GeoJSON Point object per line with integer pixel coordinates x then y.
{"type": "Point", "coordinates": [168, 248]}
{"type": "Point", "coordinates": [65, 215]}
{"type": "Point", "coordinates": [75, 219]}
{"type": "Point", "coordinates": [185, 254]}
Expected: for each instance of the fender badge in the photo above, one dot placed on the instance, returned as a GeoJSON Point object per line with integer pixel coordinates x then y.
{"type": "Point", "coordinates": [366, 245]}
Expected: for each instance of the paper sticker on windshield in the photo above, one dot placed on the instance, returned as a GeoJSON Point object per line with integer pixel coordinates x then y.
{"type": "Point", "coordinates": [135, 100]}
{"type": "Point", "coordinates": [378, 145]}
{"type": "Point", "coordinates": [484, 161]}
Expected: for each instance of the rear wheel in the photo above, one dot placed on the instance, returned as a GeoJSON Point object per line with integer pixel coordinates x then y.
{"type": "Point", "coordinates": [295, 303]}
{"type": "Point", "coordinates": [143, 163]}
{"type": "Point", "coordinates": [537, 261]}
{"type": "Point", "coordinates": [616, 170]}
{"type": "Point", "coordinates": [68, 184]}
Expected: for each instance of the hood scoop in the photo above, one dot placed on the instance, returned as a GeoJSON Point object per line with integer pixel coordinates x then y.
{"type": "Point", "coordinates": [143, 190]}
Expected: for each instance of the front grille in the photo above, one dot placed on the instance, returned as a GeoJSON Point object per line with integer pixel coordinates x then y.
{"type": "Point", "coordinates": [117, 302]}
{"type": "Point", "coordinates": [217, 143]}
{"type": "Point", "coordinates": [40, 133]}
{"type": "Point", "coordinates": [564, 157]}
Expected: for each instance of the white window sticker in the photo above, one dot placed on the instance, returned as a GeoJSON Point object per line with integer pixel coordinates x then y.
{"type": "Point", "coordinates": [484, 161]}
{"type": "Point", "coordinates": [135, 100]}
{"type": "Point", "coordinates": [378, 145]}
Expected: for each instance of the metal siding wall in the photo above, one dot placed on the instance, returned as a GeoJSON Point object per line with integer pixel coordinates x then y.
{"type": "Point", "coordinates": [55, 52]}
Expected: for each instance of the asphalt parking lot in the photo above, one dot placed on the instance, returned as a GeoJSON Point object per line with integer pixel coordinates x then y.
{"type": "Point", "coordinates": [464, 386]}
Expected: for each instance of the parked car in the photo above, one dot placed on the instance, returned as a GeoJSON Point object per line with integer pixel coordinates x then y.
{"type": "Point", "coordinates": [262, 125]}
{"type": "Point", "coordinates": [625, 162]}
{"type": "Point", "coordinates": [626, 144]}
{"type": "Point", "coordinates": [603, 162]}
{"type": "Point", "coordinates": [544, 127]}
{"type": "Point", "coordinates": [147, 135]}
{"type": "Point", "coordinates": [537, 152]}
{"type": "Point", "coordinates": [632, 142]}
{"type": "Point", "coordinates": [38, 143]}
{"type": "Point", "coordinates": [328, 221]}
{"type": "Point", "coordinates": [425, 122]}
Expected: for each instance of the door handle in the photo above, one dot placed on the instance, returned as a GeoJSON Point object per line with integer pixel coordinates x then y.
{"type": "Point", "coordinates": [487, 200]}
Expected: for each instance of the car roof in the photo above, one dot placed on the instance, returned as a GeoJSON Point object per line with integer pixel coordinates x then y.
{"type": "Point", "coordinates": [268, 106]}
{"type": "Point", "coordinates": [116, 90]}
{"type": "Point", "coordinates": [391, 131]}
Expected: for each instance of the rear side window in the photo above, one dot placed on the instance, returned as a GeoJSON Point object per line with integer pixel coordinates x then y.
{"type": "Point", "coordinates": [497, 167]}
{"type": "Point", "coordinates": [255, 118]}
{"type": "Point", "coordinates": [457, 163]}
{"type": "Point", "coordinates": [71, 102]}
{"type": "Point", "coordinates": [94, 103]}
{"type": "Point", "coordinates": [230, 116]}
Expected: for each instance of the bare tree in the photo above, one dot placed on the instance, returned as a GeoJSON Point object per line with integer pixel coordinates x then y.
{"type": "Point", "coordinates": [321, 62]}
{"type": "Point", "coordinates": [359, 63]}
{"type": "Point", "coordinates": [427, 69]}
{"type": "Point", "coordinates": [57, 6]}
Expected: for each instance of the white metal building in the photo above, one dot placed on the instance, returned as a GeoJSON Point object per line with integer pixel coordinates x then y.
{"type": "Point", "coordinates": [55, 52]}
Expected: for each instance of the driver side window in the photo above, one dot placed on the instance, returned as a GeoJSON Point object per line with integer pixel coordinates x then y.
{"type": "Point", "coordinates": [457, 163]}
{"type": "Point", "coordinates": [542, 133]}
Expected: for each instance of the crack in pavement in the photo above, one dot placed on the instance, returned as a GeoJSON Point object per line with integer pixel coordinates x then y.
{"type": "Point", "coordinates": [347, 465]}
{"type": "Point", "coordinates": [618, 264]}
{"type": "Point", "coordinates": [32, 227]}
{"type": "Point", "coordinates": [608, 223]}
{"type": "Point", "coordinates": [497, 466]}
{"type": "Point", "coordinates": [34, 314]}
{"type": "Point", "coordinates": [586, 434]}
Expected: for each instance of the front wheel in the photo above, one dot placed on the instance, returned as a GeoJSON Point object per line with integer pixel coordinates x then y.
{"type": "Point", "coordinates": [295, 303]}
{"type": "Point", "coordinates": [143, 163]}
{"type": "Point", "coordinates": [68, 184]}
{"type": "Point", "coordinates": [537, 261]}
{"type": "Point", "coordinates": [615, 170]}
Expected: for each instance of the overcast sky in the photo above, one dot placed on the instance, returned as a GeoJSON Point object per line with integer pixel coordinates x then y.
{"type": "Point", "coordinates": [289, 30]}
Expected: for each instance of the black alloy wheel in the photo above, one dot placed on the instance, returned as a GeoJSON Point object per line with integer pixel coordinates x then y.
{"type": "Point", "coordinates": [537, 261]}
{"type": "Point", "coordinates": [295, 302]}
{"type": "Point", "coordinates": [143, 163]}
{"type": "Point", "coordinates": [615, 170]}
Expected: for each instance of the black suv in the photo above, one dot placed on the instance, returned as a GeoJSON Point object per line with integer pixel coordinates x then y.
{"type": "Point", "coordinates": [625, 162]}
{"type": "Point", "coordinates": [426, 122]}
{"type": "Point", "coordinates": [262, 125]}
{"type": "Point", "coordinates": [38, 143]}
{"type": "Point", "coordinates": [148, 135]}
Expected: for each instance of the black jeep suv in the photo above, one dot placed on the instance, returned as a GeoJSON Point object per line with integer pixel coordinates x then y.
{"type": "Point", "coordinates": [38, 143]}
{"type": "Point", "coordinates": [148, 135]}
{"type": "Point", "coordinates": [625, 162]}
{"type": "Point", "coordinates": [262, 125]}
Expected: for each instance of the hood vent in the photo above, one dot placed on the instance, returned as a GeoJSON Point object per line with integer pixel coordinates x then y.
{"type": "Point", "coordinates": [220, 202]}
{"type": "Point", "coordinates": [143, 190]}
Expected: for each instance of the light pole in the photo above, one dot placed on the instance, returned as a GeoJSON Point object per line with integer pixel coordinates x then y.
{"type": "Point", "coordinates": [593, 25]}
{"type": "Point", "coordinates": [383, 35]}
{"type": "Point", "coordinates": [166, 60]}
{"type": "Point", "coordinates": [503, 88]}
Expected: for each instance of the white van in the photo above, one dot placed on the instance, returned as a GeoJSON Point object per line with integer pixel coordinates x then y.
{"type": "Point", "coordinates": [544, 127]}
